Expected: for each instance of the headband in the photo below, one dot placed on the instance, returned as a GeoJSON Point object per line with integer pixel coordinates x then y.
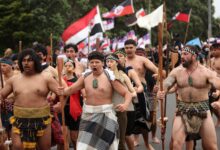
{"type": "Point", "coordinates": [187, 49]}
{"type": "Point", "coordinates": [6, 61]}
{"type": "Point", "coordinates": [112, 58]}
{"type": "Point", "coordinates": [120, 52]}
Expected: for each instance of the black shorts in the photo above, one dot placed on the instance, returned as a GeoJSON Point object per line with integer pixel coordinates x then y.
{"type": "Point", "coordinates": [130, 122]}
{"type": "Point", "coordinates": [69, 121]}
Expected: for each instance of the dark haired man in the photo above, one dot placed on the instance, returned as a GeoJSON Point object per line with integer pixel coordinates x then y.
{"type": "Point", "coordinates": [140, 64]}
{"type": "Point", "coordinates": [71, 51]}
{"type": "Point", "coordinates": [98, 126]}
{"type": "Point", "coordinates": [31, 120]}
{"type": "Point", "coordinates": [193, 117]}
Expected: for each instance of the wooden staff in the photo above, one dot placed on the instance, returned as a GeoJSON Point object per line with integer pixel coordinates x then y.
{"type": "Point", "coordinates": [160, 72]}
{"type": "Point", "coordinates": [59, 69]}
{"type": "Point", "coordinates": [20, 46]}
{"type": "Point", "coordinates": [160, 35]}
{"type": "Point", "coordinates": [2, 129]}
{"type": "Point", "coordinates": [51, 48]}
{"type": "Point", "coordinates": [187, 27]}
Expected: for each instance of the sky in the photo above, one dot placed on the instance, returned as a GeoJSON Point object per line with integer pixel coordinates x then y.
{"type": "Point", "coordinates": [217, 8]}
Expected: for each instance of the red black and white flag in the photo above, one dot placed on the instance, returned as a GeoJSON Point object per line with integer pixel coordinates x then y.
{"type": "Point", "coordinates": [91, 24]}
{"type": "Point", "coordinates": [132, 20]}
{"type": "Point", "coordinates": [125, 8]}
{"type": "Point", "coordinates": [180, 16]}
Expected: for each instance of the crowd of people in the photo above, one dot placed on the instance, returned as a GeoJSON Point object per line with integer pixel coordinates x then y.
{"type": "Point", "coordinates": [108, 100]}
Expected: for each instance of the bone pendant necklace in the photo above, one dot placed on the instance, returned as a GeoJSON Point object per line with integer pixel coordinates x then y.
{"type": "Point", "coordinates": [95, 83]}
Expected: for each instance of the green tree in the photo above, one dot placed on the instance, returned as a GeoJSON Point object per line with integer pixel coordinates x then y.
{"type": "Point", "coordinates": [31, 20]}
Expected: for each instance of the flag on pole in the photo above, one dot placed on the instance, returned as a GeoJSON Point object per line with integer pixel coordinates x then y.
{"type": "Point", "coordinates": [125, 8]}
{"type": "Point", "coordinates": [131, 35]}
{"type": "Point", "coordinates": [180, 16]}
{"type": "Point", "coordinates": [108, 24]}
{"type": "Point", "coordinates": [184, 17]}
{"type": "Point", "coordinates": [132, 20]}
{"type": "Point", "coordinates": [143, 41]}
{"type": "Point", "coordinates": [152, 19]}
{"type": "Point", "coordinates": [79, 30]}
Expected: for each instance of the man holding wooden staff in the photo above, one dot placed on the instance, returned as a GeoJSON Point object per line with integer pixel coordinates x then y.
{"type": "Point", "coordinates": [193, 118]}
{"type": "Point", "coordinates": [98, 127]}
{"type": "Point", "coordinates": [31, 120]}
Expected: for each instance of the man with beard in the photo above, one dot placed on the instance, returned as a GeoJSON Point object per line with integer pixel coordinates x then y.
{"type": "Point", "coordinates": [193, 118]}
{"type": "Point", "coordinates": [31, 112]}
{"type": "Point", "coordinates": [98, 127]}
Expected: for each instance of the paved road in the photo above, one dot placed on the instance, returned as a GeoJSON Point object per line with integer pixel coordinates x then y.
{"type": "Point", "coordinates": [170, 112]}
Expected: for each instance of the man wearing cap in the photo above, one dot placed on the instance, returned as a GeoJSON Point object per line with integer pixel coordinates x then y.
{"type": "Point", "coordinates": [193, 118]}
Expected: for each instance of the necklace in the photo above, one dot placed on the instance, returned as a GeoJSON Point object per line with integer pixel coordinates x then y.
{"type": "Point", "coordinates": [95, 83]}
{"type": "Point", "coordinates": [190, 79]}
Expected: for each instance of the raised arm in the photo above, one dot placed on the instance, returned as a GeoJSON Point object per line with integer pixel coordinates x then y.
{"type": "Point", "coordinates": [150, 65]}
{"type": "Point", "coordinates": [78, 85]}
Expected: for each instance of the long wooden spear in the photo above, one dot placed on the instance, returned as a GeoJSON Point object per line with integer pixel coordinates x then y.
{"type": "Point", "coordinates": [187, 27]}
{"type": "Point", "coordinates": [59, 69]}
{"type": "Point", "coordinates": [160, 53]}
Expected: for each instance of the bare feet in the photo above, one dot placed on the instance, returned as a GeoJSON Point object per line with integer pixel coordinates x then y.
{"type": "Point", "coordinates": [150, 147]}
{"type": "Point", "coordinates": [155, 140]}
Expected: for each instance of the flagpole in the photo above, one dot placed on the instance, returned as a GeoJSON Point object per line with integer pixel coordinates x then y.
{"type": "Point", "coordinates": [160, 72]}
{"type": "Point", "coordinates": [167, 67]}
{"type": "Point", "coordinates": [59, 70]}
{"type": "Point", "coordinates": [51, 47]}
{"type": "Point", "coordinates": [20, 46]}
{"type": "Point", "coordinates": [149, 9]}
{"type": "Point", "coordinates": [187, 27]}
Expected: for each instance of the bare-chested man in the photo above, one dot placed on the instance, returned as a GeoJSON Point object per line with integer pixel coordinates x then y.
{"type": "Point", "coordinates": [98, 126]}
{"type": "Point", "coordinates": [193, 117]}
{"type": "Point", "coordinates": [140, 64]}
{"type": "Point", "coordinates": [7, 106]}
{"type": "Point", "coordinates": [31, 120]}
{"type": "Point", "coordinates": [215, 54]}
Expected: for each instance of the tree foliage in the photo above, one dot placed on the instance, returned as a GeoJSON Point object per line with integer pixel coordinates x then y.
{"type": "Point", "coordinates": [34, 20]}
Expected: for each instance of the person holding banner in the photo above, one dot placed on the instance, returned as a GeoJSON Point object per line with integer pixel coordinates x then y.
{"type": "Point", "coordinates": [31, 119]}
{"type": "Point", "coordinates": [193, 118]}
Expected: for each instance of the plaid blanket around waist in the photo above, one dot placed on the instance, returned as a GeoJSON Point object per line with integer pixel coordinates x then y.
{"type": "Point", "coordinates": [98, 128]}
